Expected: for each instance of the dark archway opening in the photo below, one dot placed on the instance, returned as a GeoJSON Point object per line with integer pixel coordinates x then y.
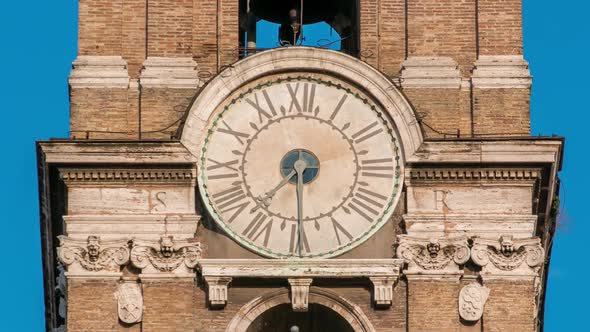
{"type": "Point", "coordinates": [319, 23]}
{"type": "Point", "coordinates": [282, 318]}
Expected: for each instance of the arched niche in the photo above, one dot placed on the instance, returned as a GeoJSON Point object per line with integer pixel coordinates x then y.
{"type": "Point", "coordinates": [347, 310]}
{"type": "Point", "coordinates": [302, 59]}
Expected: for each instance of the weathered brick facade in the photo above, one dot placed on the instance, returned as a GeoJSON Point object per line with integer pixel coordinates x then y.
{"type": "Point", "coordinates": [460, 250]}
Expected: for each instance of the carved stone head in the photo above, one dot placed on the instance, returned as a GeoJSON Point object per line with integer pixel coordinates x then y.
{"type": "Point", "coordinates": [167, 246]}
{"type": "Point", "coordinates": [93, 247]}
{"type": "Point", "coordinates": [506, 245]}
{"type": "Point", "coordinates": [433, 247]}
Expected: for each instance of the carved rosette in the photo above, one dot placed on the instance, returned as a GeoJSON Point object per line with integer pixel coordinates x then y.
{"type": "Point", "coordinates": [129, 303]}
{"type": "Point", "coordinates": [434, 256]}
{"type": "Point", "coordinates": [472, 300]}
{"type": "Point", "coordinates": [92, 255]}
{"type": "Point", "coordinates": [166, 255]}
{"type": "Point", "coordinates": [508, 256]}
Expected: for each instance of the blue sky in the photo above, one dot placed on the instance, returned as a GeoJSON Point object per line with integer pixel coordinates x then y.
{"type": "Point", "coordinates": [38, 44]}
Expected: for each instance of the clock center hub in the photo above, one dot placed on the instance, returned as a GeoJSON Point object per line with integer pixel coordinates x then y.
{"type": "Point", "coordinates": [300, 158]}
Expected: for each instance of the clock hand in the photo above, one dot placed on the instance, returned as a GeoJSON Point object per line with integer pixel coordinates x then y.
{"type": "Point", "coordinates": [300, 166]}
{"type": "Point", "coordinates": [266, 198]}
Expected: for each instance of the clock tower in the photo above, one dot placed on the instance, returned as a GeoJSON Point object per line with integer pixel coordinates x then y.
{"type": "Point", "coordinates": [384, 179]}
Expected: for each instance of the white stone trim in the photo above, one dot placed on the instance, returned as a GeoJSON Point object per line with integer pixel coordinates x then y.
{"type": "Point", "coordinates": [217, 291]}
{"type": "Point", "coordinates": [383, 291]}
{"type": "Point", "coordinates": [501, 71]}
{"type": "Point", "coordinates": [92, 71]}
{"type": "Point", "coordinates": [300, 293]}
{"type": "Point", "coordinates": [169, 73]}
{"type": "Point", "coordinates": [430, 73]}
{"type": "Point", "coordinates": [472, 300]}
{"type": "Point", "coordinates": [295, 268]}
{"type": "Point", "coordinates": [298, 59]}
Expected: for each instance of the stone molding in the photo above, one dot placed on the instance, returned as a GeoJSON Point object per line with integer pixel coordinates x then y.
{"type": "Point", "coordinates": [169, 73]}
{"type": "Point", "coordinates": [301, 59]}
{"type": "Point", "coordinates": [383, 273]}
{"type": "Point", "coordinates": [472, 299]}
{"type": "Point", "coordinates": [93, 256]}
{"type": "Point", "coordinates": [217, 291]}
{"type": "Point", "coordinates": [492, 225]}
{"type": "Point", "coordinates": [168, 256]}
{"type": "Point", "coordinates": [430, 73]}
{"type": "Point", "coordinates": [458, 174]}
{"type": "Point", "coordinates": [442, 256]}
{"type": "Point", "coordinates": [300, 293]}
{"type": "Point", "coordinates": [72, 176]}
{"type": "Point", "coordinates": [92, 71]}
{"type": "Point", "coordinates": [129, 302]}
{"type": "Point", "coordinates": [501, 72]}
{"type": "Point", "coordinates": [508, 257]}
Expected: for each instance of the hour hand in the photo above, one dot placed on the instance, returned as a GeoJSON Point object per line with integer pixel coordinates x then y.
{"type": "Point", "coordinates": [266, 198]}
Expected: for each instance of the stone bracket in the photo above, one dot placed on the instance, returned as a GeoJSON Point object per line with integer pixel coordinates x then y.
{"type": "Point", "coordinates": [217, 291]}
{"type": "Point", "coordinates": [300, 293]}
{"type": "Point", "coordinates": [383, 291]}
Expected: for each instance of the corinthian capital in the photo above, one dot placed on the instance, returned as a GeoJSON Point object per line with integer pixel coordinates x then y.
{"type": "Point", "coordinates": [92, 255]}
{"type": "Point", "coordinates": [508, 256]}
{"type": "Point", "coordinates": [433, 256]}
{"type": "Point", "coordinates": [166, 255]}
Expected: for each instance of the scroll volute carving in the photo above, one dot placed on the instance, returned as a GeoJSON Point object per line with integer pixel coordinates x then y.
{"type": "Point", "coordinates": [93, 254]}
{"type": "Point", "coordinates": [433, 255]}
{"type": "Point", "coordinates": [508, 256]}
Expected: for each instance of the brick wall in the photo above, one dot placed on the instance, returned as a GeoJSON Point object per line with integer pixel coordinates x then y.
{"type": "Point", "coordinates": [205, 35]}
{"type": "Point", "coordinates": [170, 26]}
{"type": "Point", "coordinates": [92, 305]}
{"type": "Point", "coordinates": [134, 35]}
{"type": "Point", "coordinates": [432, 305]}
{"type": "Point", "coordinates": [501, 111]}
{"type": "Point", "coordinates": [392, 36]}
{"type": "Point", "coordinates": [161, 108]}
{"type": "Point", "coordinates": [168, 305]}
{"type": "Point", "coordinates": [500, 27]}
{"type": "Point", "coordinates": [99, 27]}
{"type": "Point", "coordinates": [510, 307]}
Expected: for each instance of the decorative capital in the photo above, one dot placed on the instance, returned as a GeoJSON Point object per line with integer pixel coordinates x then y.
{"type": "Point", "coordinates": [217, 291]}
{"type": "Point", "coordinates": [508, 256]}
{"type": "Point", "coordinates": [129, 302]}
{"type": "Point", "coordinates": [300, 293]}
{"type": "Point", "coordinates": [92, 255]}
{"type": "Point", "coordinates": [383, 291]}
{"type": "Point", "coordinates": [166, 255]}
{"type": "Point", "coordinates": [472, 300]}
{"type": "Point", "coordinates": [434, 256]}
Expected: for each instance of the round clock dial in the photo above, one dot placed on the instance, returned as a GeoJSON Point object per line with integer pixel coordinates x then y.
{"type": "Point", "coordinates": [300, 167]}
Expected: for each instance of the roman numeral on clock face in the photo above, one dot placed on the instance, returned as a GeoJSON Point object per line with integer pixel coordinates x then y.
{"type": "Point", "coordinates": [238, 135]}
{"type": "Point", "coordinates": [261, 111]}
{"type": "Point", "coordinates": [367, 132]}
{"type": "Point", "coordinates": [367, 203]}
{"type": "Point", "coordinates": [229, 165]}
{"type": "Point", "coordinates": [377, 168]}
{"type": "Point", "coordinates": [257, 227]}
{"type": "Point", "coordinates": [294, 239]}
{"type": "Point", "coordinates": [232, 199]}
{"type": "Point", "coordinates": [307, 104]}
{"type": "Point", "coordinates": [340, 230]}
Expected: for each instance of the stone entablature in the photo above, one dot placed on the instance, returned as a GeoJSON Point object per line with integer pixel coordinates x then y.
{"type": "Point", "coordinates": [300, 273]}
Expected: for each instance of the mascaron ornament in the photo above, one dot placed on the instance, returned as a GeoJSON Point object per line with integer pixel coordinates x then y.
{"type": "Point", "coordinates": [166, 255]}
{"type": "Point", "coordinates": [93, 254]}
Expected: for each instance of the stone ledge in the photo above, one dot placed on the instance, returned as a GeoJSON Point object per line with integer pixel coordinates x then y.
{"type": "Point", "coordinates": [172, 73]}
{"type": "Point", "coordinates": [93, 175]}
{"type": "Point", "coordinates": [509, 174]}
{"type": "Point", "coordinates": [431, 72]}
{"type": "Point", "coordinates": [91, 71]}
{"type": "Point", "coordinates": [501, 72]}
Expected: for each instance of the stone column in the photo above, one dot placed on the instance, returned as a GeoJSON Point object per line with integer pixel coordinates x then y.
{"type": "Point", "coordinates": [433, 275]}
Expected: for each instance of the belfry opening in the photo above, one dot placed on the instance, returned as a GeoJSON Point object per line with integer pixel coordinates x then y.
{"type": "Point", "coordinates": [317, 319]}
{"type": "Point", "coordinates": [268, 24]}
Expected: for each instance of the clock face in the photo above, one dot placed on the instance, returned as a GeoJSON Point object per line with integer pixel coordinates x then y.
{"type": "Point", "coordinates": [300, 167]}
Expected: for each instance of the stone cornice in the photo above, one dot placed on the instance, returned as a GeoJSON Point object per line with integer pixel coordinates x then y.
{"type": "Point", "coordinates": [120, 175]}
{"type": "Point", "coordinates": [92, 71]}
{"type": "Point", "coordinates": [501, 72]}
{"type": "Point", "coordinates": [93, 256]}
{"type": "Point", "coordinates": [433, 256]}
{"type": "Point", "coordinates": [430, 72]}
{"type": "Point", "coordinates": [470, 174]}
{"type": "Point", "coordinates": [168, 256]}
{"type": "Point", "coordinates": [508, 257]}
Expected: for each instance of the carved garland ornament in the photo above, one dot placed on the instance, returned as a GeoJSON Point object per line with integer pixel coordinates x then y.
{"type": "Point", "coordinates": [433, 255]}
{"type": "Point", "coordinates": [166, 255]}
{"type": "Point", "coordinates": [472, 300]}
{"type": "Point", "coordinates": [93, 254]}
{"type": "Point", "coordinates": [508, 255]}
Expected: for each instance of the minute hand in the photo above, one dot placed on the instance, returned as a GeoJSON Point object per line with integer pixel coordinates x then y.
{"type": "Point", "coordinates": [300, 166]}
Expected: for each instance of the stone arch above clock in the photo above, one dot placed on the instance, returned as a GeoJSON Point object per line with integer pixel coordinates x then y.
{"type": "Point", "coordinates": [303, 59]}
